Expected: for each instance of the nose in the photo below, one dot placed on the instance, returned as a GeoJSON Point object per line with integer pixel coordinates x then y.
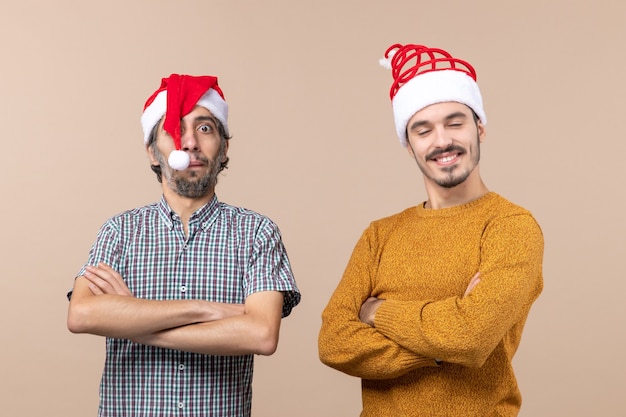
{"type": "Point", "coordinates": [188, 140]}
{"type": "Point", "coordinates": [441, 137]}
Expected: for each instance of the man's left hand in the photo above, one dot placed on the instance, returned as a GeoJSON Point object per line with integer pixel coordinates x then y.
{"type": "Point", "coordinates": [105, 280]}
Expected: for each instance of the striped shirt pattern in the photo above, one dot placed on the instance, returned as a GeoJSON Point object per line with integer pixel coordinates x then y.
{"type": "Point", "coordinates": [230, 253]}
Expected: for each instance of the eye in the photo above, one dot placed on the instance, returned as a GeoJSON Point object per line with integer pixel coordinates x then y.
{"type": "Point", "coordinates": [205, 128]}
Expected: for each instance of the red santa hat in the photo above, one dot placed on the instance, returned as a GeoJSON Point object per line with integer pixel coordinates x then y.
{"type": "Point", "coordinates": [423, 76]}
{"type": "Point", "coordinates": [177, 96]}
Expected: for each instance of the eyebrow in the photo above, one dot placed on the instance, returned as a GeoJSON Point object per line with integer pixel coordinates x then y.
{"type": "Point", "coordinates": [205, 119]}
{"type": "Point", "coordinates": [195, 120]}
{"type": "Point", "coordinates": [420, 123]}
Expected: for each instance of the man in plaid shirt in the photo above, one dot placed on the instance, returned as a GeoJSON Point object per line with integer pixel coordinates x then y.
{"type": "Point", "coordinates": [189, 289]}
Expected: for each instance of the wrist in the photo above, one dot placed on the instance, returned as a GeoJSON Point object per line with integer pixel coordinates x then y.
{"type": "Point", "coordinates": [203, 311]}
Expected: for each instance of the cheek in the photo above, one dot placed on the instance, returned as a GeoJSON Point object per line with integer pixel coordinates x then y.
{"type": "Point", "coordinates": [212, 150]}
{"type": "Point", "coordinates": [415, 149]}
{"type": "Point", "coordinates": [164, 142]}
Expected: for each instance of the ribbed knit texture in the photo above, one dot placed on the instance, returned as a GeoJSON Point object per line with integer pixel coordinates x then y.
{"type": "Point", "coordinates": [421, 261]}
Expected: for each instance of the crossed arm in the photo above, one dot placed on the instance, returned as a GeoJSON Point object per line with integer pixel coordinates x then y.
{"type": "Point", "coordinates": [102, 304]}
{"type": "Point", "coordinates": [354, 345]}
{"type": "Point", "coordinates": [377, 339]}
{"type": "Point", "coordinates": [367, 313]}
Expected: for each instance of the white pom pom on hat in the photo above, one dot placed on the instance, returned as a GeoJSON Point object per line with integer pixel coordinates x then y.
{"type": "Point", "coordinates": [176, 97]}
{"type": "Point", "coordinates": [179, 160]}
{"type": "Point", "coordinates": [424, 76]}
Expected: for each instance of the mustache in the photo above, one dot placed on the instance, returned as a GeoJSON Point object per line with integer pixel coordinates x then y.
{"type": "Point", "coordinates": [200, 158]}
{"type": "Point", "coordinates": [450, 148]}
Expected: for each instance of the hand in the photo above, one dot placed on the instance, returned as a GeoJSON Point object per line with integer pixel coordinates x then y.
{"type": "Point", "coordinates": [368, 310]}
{"type": "Point", "coordinates": [105, 280]}
{"type": "Point", "coordinates": [473, 282]}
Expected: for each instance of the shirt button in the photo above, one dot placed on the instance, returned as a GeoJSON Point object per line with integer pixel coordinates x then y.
{"type": "Point", "coordinates": [181, 405]}
{"type": "Point", "coordinates": [183, 288]}
{"type": "Point", "coordinates": [181, 367]}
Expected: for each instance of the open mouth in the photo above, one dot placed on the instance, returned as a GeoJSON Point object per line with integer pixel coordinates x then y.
{"type": "Point", "coordinates": [447, 158]}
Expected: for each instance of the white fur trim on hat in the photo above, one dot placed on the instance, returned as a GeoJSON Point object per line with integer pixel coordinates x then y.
{"type": "Point", "coordinates": [431, 88]}
{"type": "Point", "coordinates": [152, 114]}
{"type": "Point", "coordinates": [211, 100]}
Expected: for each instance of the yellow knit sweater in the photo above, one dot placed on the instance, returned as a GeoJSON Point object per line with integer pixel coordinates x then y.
{"type": "Point", "coordinates": [421, 261]}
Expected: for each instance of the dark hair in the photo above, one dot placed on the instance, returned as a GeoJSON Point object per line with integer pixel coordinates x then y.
{"type": "Point", "coordinates": [476, 118]}
{"type": "Point", "coordinates": [152, 143]}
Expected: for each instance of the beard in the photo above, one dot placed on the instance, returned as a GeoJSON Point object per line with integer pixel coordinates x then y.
{"type": "Point", "coordinates": [452, 176]}
{"type": "Point", "coordinates": [194, 185]}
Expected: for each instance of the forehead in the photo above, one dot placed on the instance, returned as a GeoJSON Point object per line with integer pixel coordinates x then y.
{"type": "Point", "coordinates": [440, 111]}
{"type": "Point", "coordinates": [197, 112]}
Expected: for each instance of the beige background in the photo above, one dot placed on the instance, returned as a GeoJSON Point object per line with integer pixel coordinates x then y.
{"type": "Point", "coordinates": [313, 148]}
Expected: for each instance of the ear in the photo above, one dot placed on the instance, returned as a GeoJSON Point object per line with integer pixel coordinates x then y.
{"type": "Point", "coordinates": [409, 149]}
{"type": "Point", "coordinates": [226, 145]}
{"type": "Point", "coordinates": [153, 159]}
{"type": "Point", "coordinates": [482, 131]}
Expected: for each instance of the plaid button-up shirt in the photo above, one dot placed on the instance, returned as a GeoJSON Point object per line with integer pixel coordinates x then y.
{"type": "Point", "coordinates": [229, 254]}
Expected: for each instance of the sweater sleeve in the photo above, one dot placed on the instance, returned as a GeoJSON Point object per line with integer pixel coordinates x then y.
{"type": "Point", "coordinates": [465, 330]}
{"type": "Point", "coordinates": [353, 347]}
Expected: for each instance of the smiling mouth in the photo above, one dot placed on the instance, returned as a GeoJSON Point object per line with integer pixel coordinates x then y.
{"type": "Point", "coordinates": [446, 158]}
{"type": "Point", "coordinates": [447, 155]}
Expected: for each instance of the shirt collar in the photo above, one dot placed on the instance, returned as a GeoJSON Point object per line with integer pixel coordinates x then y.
{"type": "Point", "coordinates": [205, 215]}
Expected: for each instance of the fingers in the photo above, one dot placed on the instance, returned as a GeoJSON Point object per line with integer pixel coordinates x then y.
{"type": "Point", "coordinates": [95, 289]}
{"type": "Point", "coordinates": [105, 280]}
{"type": "Point", "coordinates": [473, 282]}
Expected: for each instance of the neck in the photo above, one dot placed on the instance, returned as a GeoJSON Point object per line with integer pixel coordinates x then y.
{"type": "Point", "coordinates": [184, 207]}
{"type": "Point", "coordinates": [440, 197]}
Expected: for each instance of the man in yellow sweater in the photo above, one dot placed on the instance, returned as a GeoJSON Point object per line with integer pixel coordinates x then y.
{"type": "Point", "coordinates": [432, 304]}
